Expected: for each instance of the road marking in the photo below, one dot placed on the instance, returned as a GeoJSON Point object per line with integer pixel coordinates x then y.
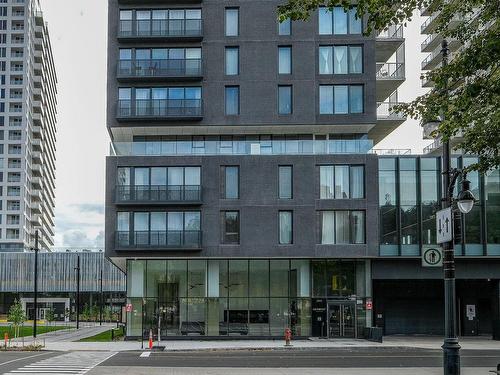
{"type": "Point", "coordinates": [20, 359]}
{"type": "Point", "coordinates": [73, 363]}
{"type": "Point", "coordinates": [145, 354]}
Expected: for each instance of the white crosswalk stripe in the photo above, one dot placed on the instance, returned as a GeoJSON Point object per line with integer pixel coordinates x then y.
{"type": "Point", "coordinates": [77, 363]}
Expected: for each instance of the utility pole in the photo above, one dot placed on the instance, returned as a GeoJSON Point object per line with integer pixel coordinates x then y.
{"type": "Point", "coordinates": [77, 269]}
{"type": "Point", "coordinates": [100, 299]}
{"type": "Point", "coordinates": [451, 347]}
{"type": "Point", "coordinates": [35, 296]}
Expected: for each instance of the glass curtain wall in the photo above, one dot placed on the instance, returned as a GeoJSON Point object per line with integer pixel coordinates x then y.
{"type": "Point", "coordinates": [237, 297]}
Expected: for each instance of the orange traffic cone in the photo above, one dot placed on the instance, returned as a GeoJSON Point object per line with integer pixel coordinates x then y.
{"type": "Point", "coordinates": [150, 339]}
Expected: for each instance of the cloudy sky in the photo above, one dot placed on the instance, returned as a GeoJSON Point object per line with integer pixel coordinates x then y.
{"type": "Point", "coordinates": [78, 34]}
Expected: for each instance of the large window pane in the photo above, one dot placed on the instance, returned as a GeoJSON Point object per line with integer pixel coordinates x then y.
{"type": "Point", "coordinates": [284, 100]}
{"type": "Point", "coordinates": [238, 278]}
{"type": "Point", "coordinates": [285, 227]}
{"type": "Point", "coordinates": [259, 278]}
{"type": "Point", "coordinates": [492, 201]}
{"type": "Point", "coordinates": [357, 182]}
{"type": "Point", "coordinates": [231, 227]}
{"type": "Point", "coordinates": [156, 278]}
{"type": "Point", "coordinates": [342, 227]}
{"type": "Point", "coordinates": [328, 228]}
{"type": "Point", "coordinates": [356, 99]}
{"type": "Point", "coordinates": [232, 61]}
{"type": "Point", "coordinates": [341, 98]}
{"type": "Point", "coordinates": [176, 279]}
{"type": "Point", "coordinates": [300, 278]}
{"type": "Point", "coordinates": [136, 280]}
{"type": "Point", "coordinates": [232, 100]}
{"type": "Point", "coordinates": [319, 278]}
{"type": "Point", "coordinates": [284, 60]}
{"type": "Point", "coordinates": [355, 59]}
{"type": "Point", "coordinates": [326, 100]}
{"type": "Point", "coordinates": [325, 60]}
{"type": "Point", "coordinates": [341, 182]}
{"type": "Point", "coordinates": [339, 21]}
{"type": "Point", "coordinates": [326, 173]}
{"type": "Point", "coordinates": [340, 60]}
{"type": "Point", "coordinates": [231, 182]}
{"type": "Point", "coordinates": [279, 277]}
{"type": "Point", "coordinates": [196, 278]}
{"type": "Point", "coordinates": [355, 24]}
{"type": "Point", "coordinates": [232, 22]}
{"type": "Point", "coordinates": [358, 227]}
{"type": "Point", "coordinates": [285, 181]}
{"type": "Point", "coordinates": [325, 21]}
{"type": "Point", "coordinates": [285, 27]}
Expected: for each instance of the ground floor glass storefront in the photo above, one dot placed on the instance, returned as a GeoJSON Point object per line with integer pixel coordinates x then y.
{"type": "Point", "coordinates": [246, 297]}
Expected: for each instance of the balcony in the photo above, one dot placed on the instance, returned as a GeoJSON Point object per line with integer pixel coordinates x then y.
{"type": "Point", "coordinates": [170, 30]}
{"type": "Point", "coordinates": [160, 109]}
{"type": "Point", "coordinates": [159, 240]}
{"type": "Point", "coordinates": [270, 147]}
{"type": "Point", "coordinates": [36, 208]}
{"type": "Point", "coordinates": [388, 41]}
{"type": "Point", "coordinates": [389, 77]}
{"type": "Point", "coordinates": [161, 194]}
{"type": "Point", "coordinates": [168, 69]}
{"type": "Point", "coordinates": [387, 120]}
{"type": "Point", "coordinates": [430, 24]}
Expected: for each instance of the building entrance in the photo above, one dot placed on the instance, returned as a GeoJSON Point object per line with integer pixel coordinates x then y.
{"type": "Point", "coordinates": [341, 320]}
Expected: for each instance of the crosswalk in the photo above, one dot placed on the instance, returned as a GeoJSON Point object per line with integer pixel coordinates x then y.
{"type": "Point", "coordinates": [77, 363]}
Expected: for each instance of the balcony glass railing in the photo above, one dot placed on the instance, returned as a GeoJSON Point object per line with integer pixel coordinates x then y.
{"type": "Point", "coordinates": [392, 32]}
{"type": "Point", "coordinates": [161, 28]}
{"type": "Point", "coordinates": [159, 108]}
{"type": "Point", "coordinates": [158, 193]}
{"type": "Point", "coordinates": [274, 147]}
{"type": "Point", "coordinates": [160, 68]}
{"type": "Point", "coordinates": [171, 239]}
{"type": "Point", "coordinates": [391, 71]}
{"type": "Point", "coordinates": [385, 110]}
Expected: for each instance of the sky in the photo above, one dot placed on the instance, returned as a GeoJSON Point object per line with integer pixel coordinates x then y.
{"type": "Point", "coordinates": [79, 36]}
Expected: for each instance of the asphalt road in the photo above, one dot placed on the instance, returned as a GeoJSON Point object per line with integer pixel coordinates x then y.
{"type": "Point", "coordinates": [331, 358]}
{"type": "Point", "coordinates": [13, 360]}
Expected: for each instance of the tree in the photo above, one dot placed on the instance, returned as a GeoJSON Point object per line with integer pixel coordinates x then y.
{"type": "Point", "coordinates": [50, 315]}
{"type": "Point", "coordinates": [16, 316]}
{"type": "Point", "coordinates": [466, 92]}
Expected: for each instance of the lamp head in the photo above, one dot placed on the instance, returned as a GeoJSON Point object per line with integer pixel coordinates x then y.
{"type": "Point", "coordinates": [465, 199]}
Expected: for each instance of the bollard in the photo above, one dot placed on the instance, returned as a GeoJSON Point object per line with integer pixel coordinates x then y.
{"type": "Point", "coordinates": [112, 334]}
{"type": "Point", "coordinates": [6, 339]}
{"type": "Point", "coordinates": [150, 339]}
{"type": "Point", "coordinates": [288, 337]}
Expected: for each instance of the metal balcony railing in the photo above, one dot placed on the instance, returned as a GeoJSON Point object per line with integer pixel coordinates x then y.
{"type": "Point", "coordinates": [158, 193]}
{"type": "Point", "coordinates": [161, 28]}
{"type": "Point", "coordinates": [170, 239]}
{"type": "Point", "coordinates": [391, 71]}
{"type": "Point", "coordinates": [160, 68]}
{"type": "Point", "coordinates": [160, 108]}
{"type": "Point", "coordinates": [392, 32]}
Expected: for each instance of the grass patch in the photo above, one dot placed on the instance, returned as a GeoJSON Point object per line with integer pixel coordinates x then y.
{"type": "Point", "coordinates": [28, 330]}
{"type": "Point", "coordinates": [105, 336]}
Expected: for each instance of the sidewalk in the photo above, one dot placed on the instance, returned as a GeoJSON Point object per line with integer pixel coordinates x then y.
{"type": "Point", "coordinates": [483, 343]}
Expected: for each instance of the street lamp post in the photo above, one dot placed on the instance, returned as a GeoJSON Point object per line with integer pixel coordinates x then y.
{"type": "Point", "coordinates": [465, 203]}
{"type": "Point", "coordinates": [77, 269]}
{"type": "Point", "coordinates": [35, 284]}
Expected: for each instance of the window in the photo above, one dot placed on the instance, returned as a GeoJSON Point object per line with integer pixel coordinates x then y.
{"type": "Point", "coordinates": [285, 182]}
{"type": "Point", "coordinates": [231, 182]}
{"type": "Point", "coordinates": [285, 227]}
{"type": "Point", "coordinates": [284, 100]}
{"type": "Point", "coordinates": [340, 99]}
{"type": "Point", "coordinates": [231, 227]}
{"type": "Point", "coordinates": [232, 100]}
{"type": "Point", "coordinates": [341, 182]}
{"type": "Point", "coordinates": [232, 61]}
{"type": "Point", "coordinates": [338, 22]}
{"type": "Point", "coordinates": [232, 21]}
{"type": "Point", "coordinates": [285, 27]}
{"type": "Point", "coordinates": [342, 227]}
{"type": "Point", "coordinates": [285, 60]}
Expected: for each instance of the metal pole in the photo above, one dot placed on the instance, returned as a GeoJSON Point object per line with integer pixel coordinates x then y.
{"type": "Point", "coordinates": [77, 292]}
{"type": "Point", "coordinates": [101, 301]}
{"type": "Point", "coordinates": [451, 347]}
{"type": "Point", "coordinates": [35, 297]}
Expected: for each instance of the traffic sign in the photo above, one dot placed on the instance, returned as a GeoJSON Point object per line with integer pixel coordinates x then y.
{"type": "Point", "coordinates": [432, 256]}
{"type": "Point", "coordinates": [444, 225]}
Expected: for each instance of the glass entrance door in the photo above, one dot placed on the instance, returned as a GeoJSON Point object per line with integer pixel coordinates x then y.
{"type": "Point", "coordinates": [341, 320]}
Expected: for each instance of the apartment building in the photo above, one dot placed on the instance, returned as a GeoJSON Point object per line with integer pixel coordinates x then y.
{"type": "Point", "coordinates": [27, 127]}
{"type": "Point", "coordinates": [241, 190]}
